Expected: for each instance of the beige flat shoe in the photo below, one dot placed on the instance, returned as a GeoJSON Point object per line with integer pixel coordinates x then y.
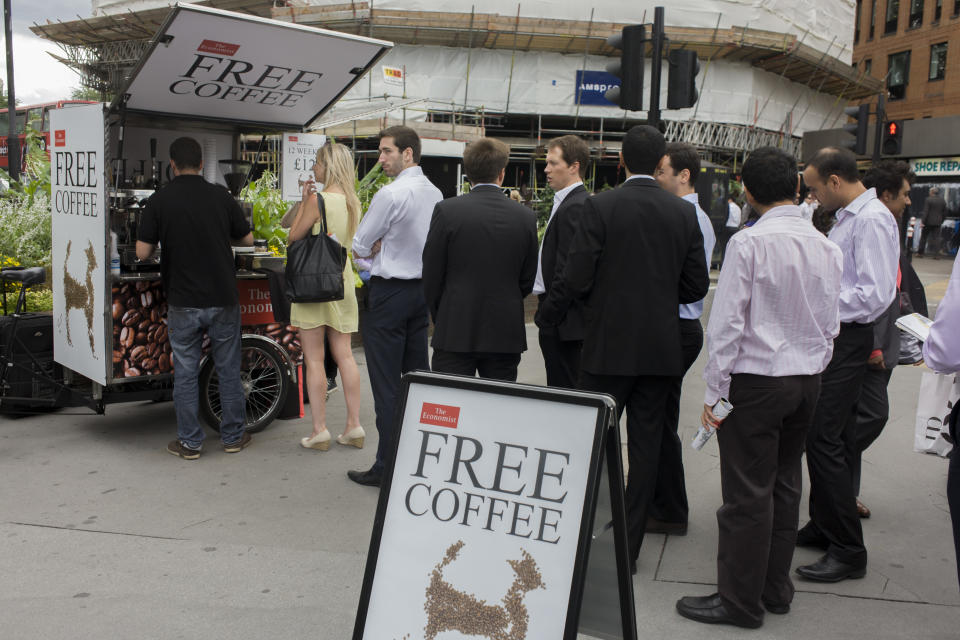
{"type": "Point", "coordinates": [352, 438]}
{"type": "Point", "coordinates": [321, 441]}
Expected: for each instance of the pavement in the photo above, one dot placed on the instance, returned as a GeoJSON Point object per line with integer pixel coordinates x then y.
{"type": "Point", "coordinates": [105, 535]}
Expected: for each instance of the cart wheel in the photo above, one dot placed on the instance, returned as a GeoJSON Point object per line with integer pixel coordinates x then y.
{"type": "Point", "coordinates": [265, 385]}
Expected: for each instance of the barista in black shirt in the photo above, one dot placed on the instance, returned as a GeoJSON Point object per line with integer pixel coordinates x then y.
{"type": "Point", "coordinates": [195, 223]}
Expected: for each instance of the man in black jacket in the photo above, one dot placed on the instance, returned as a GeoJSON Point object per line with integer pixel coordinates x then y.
{"type": "Point", "coordinates": [479, 263]}
{"type": "Point", "coordinates": [567, 159]}
{"type": "Point", "coordinates": [638, 256]}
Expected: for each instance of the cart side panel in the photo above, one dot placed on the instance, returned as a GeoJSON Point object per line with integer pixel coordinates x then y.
{"type": "Point", "coordinates": [79, 237]}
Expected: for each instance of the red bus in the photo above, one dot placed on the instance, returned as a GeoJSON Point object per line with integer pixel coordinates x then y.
{"type": "Point", "coordinates": [35, 115]}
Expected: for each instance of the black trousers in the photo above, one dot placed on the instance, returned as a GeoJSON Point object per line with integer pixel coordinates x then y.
{"type": "Point", "coordinates": [725, 234]}
{"type": "Point", "coordinates": [496, 366]}
{"type": "Point", "coordinates": [832, 447]}
{"type": "Point", "coordinates": [953, 483]}
{"type": "Point", "coordinates": [930, 236]}
{"type": "Point", "coordinates": [561, 358]}
{"type": "Point", "coordinates": [394, 330]}
{"type": "Point", "coordinates": [670, 495]}
{"type": "Point", "coordinates": [873, 411]}
{"type": "Point", "coordinates": [645, 400]}
{"type": "Point", "coordinates": [761, 476]}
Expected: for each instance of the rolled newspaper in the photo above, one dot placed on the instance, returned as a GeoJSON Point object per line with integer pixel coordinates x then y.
{"type": "Point", "coordinates": [720, 411]}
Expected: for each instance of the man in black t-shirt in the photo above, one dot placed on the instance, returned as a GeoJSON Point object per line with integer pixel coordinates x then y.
{"type": "Point", "coordinates": [195, 223]}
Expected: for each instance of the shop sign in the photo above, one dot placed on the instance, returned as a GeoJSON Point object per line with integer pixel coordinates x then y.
{"type": "Point", "coordinates": [213, 64]}
{"type": "Point", "coordinates": [924, 167]}
{"type": "Point", "coordinates": [591, 85]}
{"type": "Point", "coordinates": [393, 75]}
{"type": "Point", "coordinates": [299, 150]}
{"type": "Point", "coordinates": [78, 229]}
{"type": "Point", "coordinates": [488, 516]}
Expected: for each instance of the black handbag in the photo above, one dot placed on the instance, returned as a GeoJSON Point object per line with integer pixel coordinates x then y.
{"type": "Point", "coordinates": [315, 263]}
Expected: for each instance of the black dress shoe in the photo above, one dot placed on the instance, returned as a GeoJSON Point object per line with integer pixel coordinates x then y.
{"type": "Point", "coordinates": [711, 610]}
{"type": "Point", "coordinates": [369, 478]}
{"type": "Point", "coordinates": [779, 609]}
{"type": "Point", "coordinates": [810, 536]}
{"type": "Point", "coordinates": [662, 526]}
{"type": "Point", "coordinates": [828, 569]}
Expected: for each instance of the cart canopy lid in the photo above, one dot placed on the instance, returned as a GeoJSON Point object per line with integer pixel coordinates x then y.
{"type": "Point", "coordinates": [210, 64]}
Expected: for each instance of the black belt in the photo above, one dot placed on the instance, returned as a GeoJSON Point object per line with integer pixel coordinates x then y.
{"type": "Point", "coordinates": [396, 280]}
{"type": "Point", "coordinates": [856, 325]}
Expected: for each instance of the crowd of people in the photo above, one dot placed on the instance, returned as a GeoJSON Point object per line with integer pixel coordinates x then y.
{"type": "Point", "coordinates": [800, 338]}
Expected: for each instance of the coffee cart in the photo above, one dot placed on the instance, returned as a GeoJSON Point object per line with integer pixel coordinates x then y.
{"type": "Point", "coordinates": [212, 75]}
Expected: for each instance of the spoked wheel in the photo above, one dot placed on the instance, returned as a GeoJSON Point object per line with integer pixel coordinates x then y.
{"type": "Point", "coordinates": [265, 385]}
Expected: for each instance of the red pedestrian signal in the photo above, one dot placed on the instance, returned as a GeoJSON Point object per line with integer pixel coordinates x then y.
{"type": "Point", "coordinates": [892, 128]}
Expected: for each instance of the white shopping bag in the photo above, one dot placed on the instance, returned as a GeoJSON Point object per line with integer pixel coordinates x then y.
{"type": "Point", "coordinates": [938, 394]}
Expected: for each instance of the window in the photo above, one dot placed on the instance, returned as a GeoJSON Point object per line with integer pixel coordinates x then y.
{"type": "Point", "coordinates": [956, 8]}
{"type": "Point", "coordinates": [938, 61]}
{"type": "Point", "coordinates": [916, 13]}
{"type": "Point", "coordinates": [893, 9]}
{"type": "Point", "coordinates": [898, 75]}
{"type": "Point", "coordinates": [856, 22]}
{"type": "Point", "coordinates": [873, 17]}
{"type": "Point", "coordinates": [937, 10]}
{"type": "Point", "coordinates": [867, 66]}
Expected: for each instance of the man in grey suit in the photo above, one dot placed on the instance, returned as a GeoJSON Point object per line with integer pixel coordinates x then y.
{"type": "Point", "coordinates": [934, 210]}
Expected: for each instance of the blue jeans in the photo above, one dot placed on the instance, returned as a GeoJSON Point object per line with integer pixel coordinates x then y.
{"type": "Point", "coordinates": [186, 327]}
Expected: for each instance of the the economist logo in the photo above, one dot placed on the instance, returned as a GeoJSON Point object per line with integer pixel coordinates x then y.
{"type": "Point", "coordinates": [60, 138]}
{"type": "Point", "coordinates": [218, 48]}
{"type": "Point", "coordinates": [292, 138]}
{"type": "Point", "coordinates": [440, 415]}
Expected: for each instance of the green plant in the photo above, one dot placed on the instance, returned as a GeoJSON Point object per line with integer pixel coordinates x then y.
{"type": "Point", "coordinates": [25, 228]}
{"type": "Point", "coordinates": [268, 209]}
{"type": "Point", "coordinates": [369, 184]}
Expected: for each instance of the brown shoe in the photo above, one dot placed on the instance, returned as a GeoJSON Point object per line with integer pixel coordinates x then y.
{"type": "Point", "coordinates": [176, 448]}
{"type": "Point", "coordinates": [239, 445]}
{"type": "Point", "coordinates": [862, 510]}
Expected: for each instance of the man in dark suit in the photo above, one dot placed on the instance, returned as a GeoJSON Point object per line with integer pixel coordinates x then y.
{"type": "Point", "coordinates": [567, 159]}
{"type": "Point", "coordinates": [637, 256]}
{"type": "Point", "coordinates": [479, 263]}
{"type": "Point", "coordinates": [934, 209]}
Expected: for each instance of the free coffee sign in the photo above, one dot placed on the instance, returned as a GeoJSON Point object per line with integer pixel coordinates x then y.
{"type": "Point", "coordinates": [207, 63]}
{"type": "Point", "coordinates": [486, 513]}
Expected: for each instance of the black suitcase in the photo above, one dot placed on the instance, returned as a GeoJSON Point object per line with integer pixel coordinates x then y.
{"type": "Point", "coordinates": [32, 358]}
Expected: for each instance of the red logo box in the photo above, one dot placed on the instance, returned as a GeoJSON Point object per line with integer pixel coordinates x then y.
{"type": "Point", "coordinates": [440, 415]}
{"type": "Point", "coordinates": [60, 138]}
{"type": "Point", "coordinates": [292, 138]}
{"type": "Point", "coordinates": [218, 48]}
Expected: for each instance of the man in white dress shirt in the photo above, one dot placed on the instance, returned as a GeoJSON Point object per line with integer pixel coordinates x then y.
{"type": "Point", "coordinates": [771, 330]}
{"type": "Point", "coordinates": [678, 173]}
{"type": "Point", "coordinates": [392, 233]}
{"type": "Point", "coordinates": [868, 236]}
{"type": "Point", "coordinates": [730, 227]}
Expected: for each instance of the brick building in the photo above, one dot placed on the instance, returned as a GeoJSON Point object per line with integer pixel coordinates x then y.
{"type": "Point", "coordinates": [914, 45]}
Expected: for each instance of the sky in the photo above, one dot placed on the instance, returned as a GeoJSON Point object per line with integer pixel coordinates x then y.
{"type": "Point", "coordinates": [38, 77]}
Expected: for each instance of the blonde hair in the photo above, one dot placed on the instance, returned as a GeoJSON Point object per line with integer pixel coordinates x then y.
{"type": "Point", "coordinates": [338, 169]}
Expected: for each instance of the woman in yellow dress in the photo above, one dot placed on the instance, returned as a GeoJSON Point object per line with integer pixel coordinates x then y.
{"type": "Point", "coordinates": [339, 319]}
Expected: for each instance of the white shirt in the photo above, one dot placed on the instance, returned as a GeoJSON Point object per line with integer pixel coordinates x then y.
{"type": "Point", "coordinates": [941, 351]}
{"type": "Point", "coordinates": [867, 233]}
{"type": "Point", "coordinates": [558, 199]}
{"type": "Point", "coordinates": [733, 215]}
{"type": "Point", "coordinates": [399, 216]}
{"type": "Point", "coordinates": [807, 209]}
{"type": "Point", "coordinates": [695, 310]}
{"type": "Point", "coordinates": [775, 311]}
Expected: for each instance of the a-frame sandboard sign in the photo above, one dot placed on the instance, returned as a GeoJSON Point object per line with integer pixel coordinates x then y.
{"type": "Point", "coordinates": [501, 517]}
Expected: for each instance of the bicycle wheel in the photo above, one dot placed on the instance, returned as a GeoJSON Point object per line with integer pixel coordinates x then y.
{"type": "Point", "coordinates": [265, 385]}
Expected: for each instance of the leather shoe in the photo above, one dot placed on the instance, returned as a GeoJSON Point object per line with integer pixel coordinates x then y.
{"type": "Point", "coordinates": [828, 569]}
{"type": "Point", "coordinates": [369, 478]}
{"type": "Point", "coordinates": [779, 609]}
{"type": "Point", "coordinates": [711, 610]}
{"type": "Point", "coordinates": [809, 536]}
{"type": "Point", "coordinates": [662, 526]}
{"type": "Point", "coordinates": [862, 510]}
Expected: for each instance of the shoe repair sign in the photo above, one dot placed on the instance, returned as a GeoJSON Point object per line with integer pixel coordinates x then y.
{"type": "Point", "coordinates": [213, 64]}
{"type": "Point", "coordinates": [483, 517]}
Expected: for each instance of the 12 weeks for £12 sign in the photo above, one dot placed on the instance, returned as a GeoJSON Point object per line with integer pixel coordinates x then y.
{"type": "Point", "coordinates": [480, 532]}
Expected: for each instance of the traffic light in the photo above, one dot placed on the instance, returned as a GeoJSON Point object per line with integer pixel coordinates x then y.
{"type": "Point", "coordinates": [682, 83]}
{"type": "Point", "coordinates": [893, 138]}
{"type": "Point", "coordinates": [629, 95]}
{"type": "Point", "coordinates": [861, 118]}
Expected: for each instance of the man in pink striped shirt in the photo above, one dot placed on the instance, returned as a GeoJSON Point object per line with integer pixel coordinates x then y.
{"type": "Point", "coordinates": [771, 330]}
